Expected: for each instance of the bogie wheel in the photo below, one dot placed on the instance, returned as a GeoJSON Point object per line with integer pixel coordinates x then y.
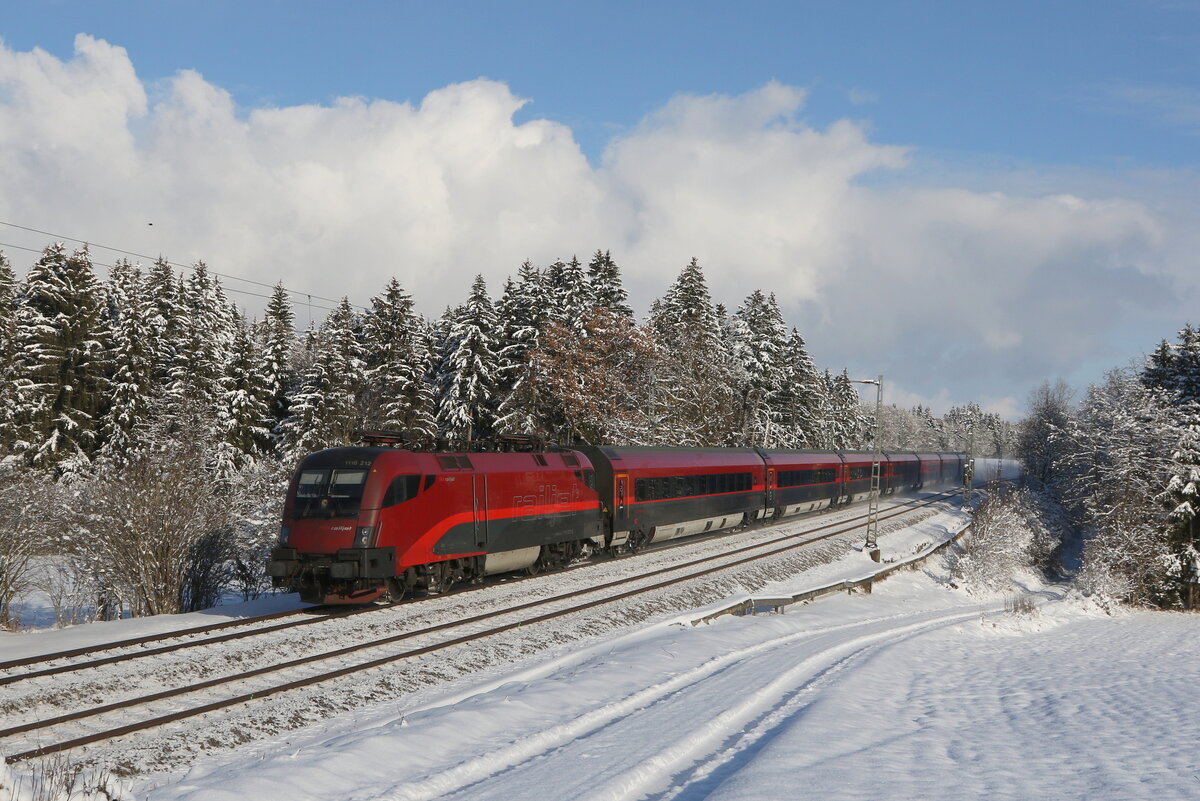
{"type": "Point", "coordinates": [398, 587]}
{"type": "Point", "coordinates": [637, 541]}
{"type": "Point", "coordinates": [439, 578]}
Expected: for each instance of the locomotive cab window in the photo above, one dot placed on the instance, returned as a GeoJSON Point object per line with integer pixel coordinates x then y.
{"type": "Point", "coordinates": [330, 493]}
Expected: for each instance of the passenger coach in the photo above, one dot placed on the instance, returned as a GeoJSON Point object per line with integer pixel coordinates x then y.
{"type": "Point", "coordinates": [657, 494]}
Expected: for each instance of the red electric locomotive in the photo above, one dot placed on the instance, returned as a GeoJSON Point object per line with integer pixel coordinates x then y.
{"type": "Point", "coordinates": [362, 522]}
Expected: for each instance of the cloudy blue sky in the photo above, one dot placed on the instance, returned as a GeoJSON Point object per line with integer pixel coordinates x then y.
{"type": "Point", "coordinates": [968, 197]}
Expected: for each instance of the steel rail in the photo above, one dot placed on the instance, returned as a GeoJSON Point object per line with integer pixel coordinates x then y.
{"type": "Point", "coordinates": [155, 722]}
{"type": "Point", "coordinates": [108, 646]}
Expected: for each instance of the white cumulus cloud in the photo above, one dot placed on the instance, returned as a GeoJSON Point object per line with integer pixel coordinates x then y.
{"type": "Point", "coordinates": [960, 294]}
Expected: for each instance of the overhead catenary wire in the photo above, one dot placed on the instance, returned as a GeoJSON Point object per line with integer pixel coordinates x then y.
{"type": "Point", "coordinates": [227, 276]}
{"type": "Point", "coordinates": [95, 263]}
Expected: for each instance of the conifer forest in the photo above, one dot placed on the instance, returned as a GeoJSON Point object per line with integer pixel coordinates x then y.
{"type": "Point", "coordinates": [148, 425]}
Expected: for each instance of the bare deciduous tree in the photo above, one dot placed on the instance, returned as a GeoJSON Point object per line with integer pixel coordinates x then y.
{"type": "Point", "coordinates": [28, 516]}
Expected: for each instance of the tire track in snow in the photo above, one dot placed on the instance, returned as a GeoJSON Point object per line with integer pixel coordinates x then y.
{"type": "Point", "coordinates": [706, 772]}
{"type": "Point", "coordinates": [759, 711]}
{"type": "Point", "coordinates": [654, 772]}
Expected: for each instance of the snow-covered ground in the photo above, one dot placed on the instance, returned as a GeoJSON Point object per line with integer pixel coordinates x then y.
{"type": "Point", "coordinates": [917, 690]}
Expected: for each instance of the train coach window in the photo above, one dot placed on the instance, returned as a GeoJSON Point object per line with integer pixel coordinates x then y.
{"type": "Point", "coordinates": [429, 481]}
{"type": "Point", "coordinates": [401, 489]}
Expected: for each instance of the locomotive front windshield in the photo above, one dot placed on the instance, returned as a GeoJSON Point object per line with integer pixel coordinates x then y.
{"type": "Point", "coordinates": [330, 493]}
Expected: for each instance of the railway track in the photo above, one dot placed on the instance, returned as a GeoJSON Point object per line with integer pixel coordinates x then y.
{"type": "Point", "coordinates": [81, 727]}
{"type": "Point", "coordinates": [249, 627]}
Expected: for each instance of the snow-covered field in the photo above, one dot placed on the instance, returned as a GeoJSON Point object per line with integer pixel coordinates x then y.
{"type": "Point", "coordinates": [918, 690]}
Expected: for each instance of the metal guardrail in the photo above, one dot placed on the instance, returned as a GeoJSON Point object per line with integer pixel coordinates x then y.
{"type": "Point", "coordinates": [776, 605]}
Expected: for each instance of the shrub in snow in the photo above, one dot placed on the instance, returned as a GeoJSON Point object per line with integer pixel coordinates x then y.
{"type": "Point", "coordinates": [1020, 603]}
{"type": "Point", "coordinates": [59, 776]}
{"type": "Point", "coordinates": [69, 586]}
{"type": "Point", "coordinates": [999, 543]}
{"type": "Point", "coordinates": [27, 521]}
{"type": "Point", "coordinates": [156, 533]}
{"type": "Point", "coordinates": [1128, 561]}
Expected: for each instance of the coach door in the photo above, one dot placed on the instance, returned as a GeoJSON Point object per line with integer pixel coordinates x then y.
{"type": "Point", "coordinates": [479, 493]}
{"type": "Point", "coordinates": [770, 486]}
{"type": "Point", "coordinates": [622, 490]}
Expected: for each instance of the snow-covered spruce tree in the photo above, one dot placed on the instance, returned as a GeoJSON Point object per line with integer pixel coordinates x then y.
{"type": "Point", "coordinates": [468, 367]}
{"type": "Point", "coordinates": [827, 432]}
{"type": "Point", "coordinates": [59, 367]}
{"type": "Point", "coordinates": [125, 426]}
{"type": "Point", "coordinates": [572, 295]}
{"type": "Point", "coordinates": [324, 410]}
{"type": "Point", "coordinates": [930, 428]}
{"type": "Point", "coordinates": [8, 355]}
{"type": "Point", "coordinates": [278, 335]}
{"type": "Point", "coordinates": [398, 396]}
{"type": "Point", "coordinates": [692, 400]}
{"type": "Point", "coordinates": [1175, 376]}
{"type": "Point", "coordinates": [243, 416]}
{"type": "Point", "coordinates": [962, 427]}
{"type": "Point", "coordinates": [1116, 457]}
{"type": "Point", "coordinates": [800, 399]}
{"type": "Point", "coordinates": [969, 428]}
{"type": "Point", "coordinates": [523, 314]}
{"type": "Point", "coordinates": [209, 327]}
{"type": "Point", "coordinates": [608, 291]}
{"type": "Point", "coordinates": [167, 320]}
{"type": "Point", "coordinates": [846, 425]}
{"type": "Point", "coordinates": [759, 341]}
{"type": "Point", "coordinates": [553, 279]}
{"type": "Point", "coordinates": [899, 429]}
{"type": "Point", "coordinates": [1001, 436]}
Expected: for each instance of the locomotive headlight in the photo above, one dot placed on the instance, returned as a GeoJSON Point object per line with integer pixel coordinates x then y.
{"type": "Point", "coordinates": [285, 533]}
{"type": "Point", "coordinates": [362, 537]}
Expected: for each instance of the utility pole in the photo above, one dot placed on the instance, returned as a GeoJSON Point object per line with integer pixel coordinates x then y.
{"type": "Point", "coordinates": [872, 543]}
